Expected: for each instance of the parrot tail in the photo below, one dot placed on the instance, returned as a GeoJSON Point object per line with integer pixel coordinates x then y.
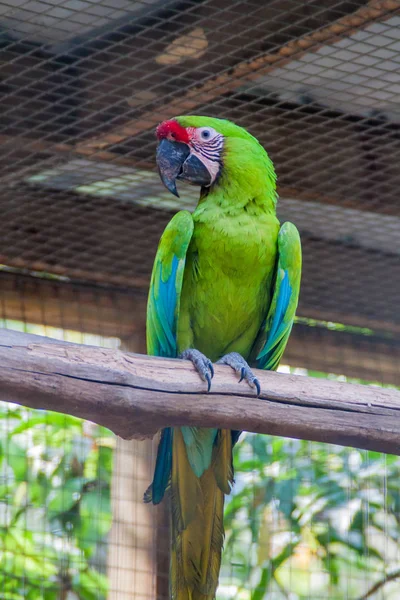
{"type": "Point", "coordinates": [197, 530]}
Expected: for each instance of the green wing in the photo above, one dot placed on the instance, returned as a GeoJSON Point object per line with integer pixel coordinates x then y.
{"type": "Point", "coordinates": [277, 327]}
{"type": "Point", "coordinates": [166, 286]}
{"type": "Point", "coordinates": [162, 317]}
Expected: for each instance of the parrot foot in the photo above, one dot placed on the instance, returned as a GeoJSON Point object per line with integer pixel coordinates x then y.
{"type": "Point", "coordinates": [237, 362]}
{"type": "Point", "coordinates": [201, 363]}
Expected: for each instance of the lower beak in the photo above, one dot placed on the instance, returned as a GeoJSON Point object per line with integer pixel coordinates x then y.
{"type": "Point", "coordinates": [175, 162]}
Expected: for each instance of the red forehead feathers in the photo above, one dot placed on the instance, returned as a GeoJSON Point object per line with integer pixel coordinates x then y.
{"type": "Point", "coordinates": [172, 131]}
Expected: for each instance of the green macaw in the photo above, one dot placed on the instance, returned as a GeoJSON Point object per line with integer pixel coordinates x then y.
{"type": "Point", "coordinates": [224, 287]}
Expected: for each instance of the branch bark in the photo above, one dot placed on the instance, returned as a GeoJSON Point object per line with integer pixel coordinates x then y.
{"type": "Point", "coordinates": [379, 584]}
{"type": "Point", "coordinates": [135, 395]}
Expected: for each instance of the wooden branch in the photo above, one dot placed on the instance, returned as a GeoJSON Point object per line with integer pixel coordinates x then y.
{"type": "Point", "coordinates": [379, 584]}
{"type": "Point", "coordinates": [135, 395]}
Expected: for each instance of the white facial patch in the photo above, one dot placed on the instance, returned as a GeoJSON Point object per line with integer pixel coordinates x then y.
{"type": "Point", "coordinates": [207, 145]}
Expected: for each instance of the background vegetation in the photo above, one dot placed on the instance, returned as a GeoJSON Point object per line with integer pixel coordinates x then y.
{"type": "Point", "coordinates": [55, 511]}
{"type": "Point", "coordinates": [309, 520]}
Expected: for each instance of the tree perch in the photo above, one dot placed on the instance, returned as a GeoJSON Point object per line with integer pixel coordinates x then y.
{"type": "Point", "coordinates": [135, 395]}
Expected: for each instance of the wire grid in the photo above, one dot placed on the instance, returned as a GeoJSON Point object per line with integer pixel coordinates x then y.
{"type": "Point", "coordinates": [303, 523]}
{"type": "Point", "coordinates": [324, 509]}
{"type": "Point", "coordinates": [83, 85]}
{"type": "Point", "coordinates": [72, 520]}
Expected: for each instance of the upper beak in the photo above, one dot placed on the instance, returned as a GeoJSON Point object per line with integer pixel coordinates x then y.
{"type": "Point", "coordinates": [175, 162]}
{"type": "Point", "coordinates": [170, 158]}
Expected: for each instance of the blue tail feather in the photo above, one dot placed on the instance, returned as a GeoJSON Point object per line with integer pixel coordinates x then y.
{"type": "Point", "coordinates": [162, 472]}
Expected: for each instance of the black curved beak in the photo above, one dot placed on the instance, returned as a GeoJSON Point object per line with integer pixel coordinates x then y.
{"type": "Point", "coordinates": [174, 162]}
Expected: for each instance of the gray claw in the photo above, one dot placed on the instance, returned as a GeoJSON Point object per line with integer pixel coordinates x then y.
{"type": "Point", "coordinates": [201, 363]}
{"type": "Point", "coordinates": [238, 363]}
{"type": "Point", "coordinates": [208, 378]}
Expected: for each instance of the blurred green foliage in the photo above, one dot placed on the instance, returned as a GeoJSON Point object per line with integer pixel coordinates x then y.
{"type": "Point", "coordinates": [305, 520]}
{"type": "Point", "coordinates": [311, 520]}
{"type": "Point", "coordinates": [55, 476]}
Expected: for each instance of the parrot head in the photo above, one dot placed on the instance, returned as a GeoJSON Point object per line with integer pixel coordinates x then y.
{"type": "Point", "coordinates": [201, 150]}
{"type": "Point", "coordinates": [192, 154]}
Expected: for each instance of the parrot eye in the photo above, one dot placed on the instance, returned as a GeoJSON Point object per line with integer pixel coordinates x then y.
{"type": "Point", "coordinates": [207, 133]}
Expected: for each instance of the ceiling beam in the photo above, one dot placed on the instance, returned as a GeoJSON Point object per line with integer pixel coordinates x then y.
{"type": "Point", "coordinates": [366, 357]}
{"type": "Point", "coordinates": [232, 79]}
{"type": "Point", "coordinates": [72, 306]}
{"type": "Point", "coordinates": [28, 145]}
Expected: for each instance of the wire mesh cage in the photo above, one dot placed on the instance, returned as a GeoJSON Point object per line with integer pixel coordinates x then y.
{"type": "Point", "coordinates": [83, 84]}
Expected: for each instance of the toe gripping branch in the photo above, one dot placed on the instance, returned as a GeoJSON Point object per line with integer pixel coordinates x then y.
{"type": "Point", "coordinates": [201, 363]}
{"type": "Point", "coordinates": [240, 365]}
{"type": "Point", "coordinates": [205, 369]}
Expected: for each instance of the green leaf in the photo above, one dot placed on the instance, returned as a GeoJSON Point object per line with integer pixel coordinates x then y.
{"type": "Point", "coordinates": [262, 586]}
{"type": "Point", "coordinates": [17, 459]}
{"type": "Point", "coordinates": [64, 498]}
{"type": "Point", "coordinates": [39, 489]}
{"type": "Point", "coordinates": [286, 491]}
{"type": "Point", "coordinates": [357, 523]}
{"type": "Point", "coordinates": [95, 519]}
{"type": "Point", "coordinates": [49, 419]}
{"type": "Point", "coordinates": [90, 585]}
{"type": "Point", "coordinates": [106, 463]}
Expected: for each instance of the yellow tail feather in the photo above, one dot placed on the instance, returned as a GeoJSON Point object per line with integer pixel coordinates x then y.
{"type": "Point", "coordinates": [197, 520]}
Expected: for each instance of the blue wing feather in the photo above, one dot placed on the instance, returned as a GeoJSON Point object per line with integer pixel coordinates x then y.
{"type": "Point", "coordinates": [162, 316]}
{"type": "Point", "coordinates": [165, 303]}
{"type": "Point", "coordinates": [278, 325]}
{"type": "Point", "coordinates": [155, 492]}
